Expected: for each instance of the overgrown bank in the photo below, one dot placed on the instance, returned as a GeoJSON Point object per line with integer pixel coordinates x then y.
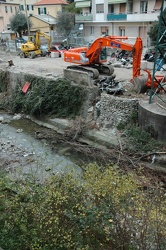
{"type": "Point", "coordinates": [105, 209]}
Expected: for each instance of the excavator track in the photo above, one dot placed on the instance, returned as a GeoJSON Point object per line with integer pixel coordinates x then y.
{"type": "Point", "coordinates": [92, 71]}
{"type": "Point", "coordinates": [105, 69]}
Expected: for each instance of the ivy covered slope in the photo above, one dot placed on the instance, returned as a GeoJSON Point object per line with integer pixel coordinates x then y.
{"type": "Point", "coordinates": [48, 97]}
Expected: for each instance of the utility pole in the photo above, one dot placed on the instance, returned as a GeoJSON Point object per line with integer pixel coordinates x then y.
{"type": "Point", "coordinates": [159, 51]}
{"type": "Point", "coordinates": [26, 14]}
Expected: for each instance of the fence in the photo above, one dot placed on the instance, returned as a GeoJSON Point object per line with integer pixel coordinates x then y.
{"type": "Point", "coordinates": [71, 40]}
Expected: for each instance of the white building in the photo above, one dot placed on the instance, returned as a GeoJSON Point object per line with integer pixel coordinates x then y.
{"type": "Point", "coordinates": [131, 18]}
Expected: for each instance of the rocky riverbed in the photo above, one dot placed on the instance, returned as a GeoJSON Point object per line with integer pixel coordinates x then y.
{"type": "Point", "coordinates": [25, 149]}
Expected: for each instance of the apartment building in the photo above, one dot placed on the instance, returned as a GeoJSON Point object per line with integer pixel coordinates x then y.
{"type": "Point", "coordinates": [50, 7]}
{"type": "Point", "coordinates": [7, 10]}
{"type": "Point", "coordinates": [41, 14]}
{"type": "Point", "coordinates": [132, 18]}
{"type": "Point", "coordinates": [45, 13]}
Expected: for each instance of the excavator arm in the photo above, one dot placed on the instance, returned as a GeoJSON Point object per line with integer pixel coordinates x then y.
{"type": "Point", "coordinates": [94, 51]}
{"type": "Point", "coordinates": [92, 56]}
{"type": "Point", "coordinates": [46, 36]}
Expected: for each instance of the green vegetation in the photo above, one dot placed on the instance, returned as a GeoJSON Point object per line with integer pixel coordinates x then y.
{"type": "Point", "coordinates": [153, 31]}
{"type": "Point", "coordinates": [105, 209]}
{"type": "Point", "coordinates": [49, 97]}
{"type": "Point", "coordinates": [65, 22]}
{"type": "Point", "coordinates": [3, 81]}
{"type": "Point", "coordinates": [18, 23]}
{"type": "Point", "coordinates": [141, 140]}
{"type": "Point", "coordinates": [72, 8]}
{"type": "Point", "coordinates": [138, 139]}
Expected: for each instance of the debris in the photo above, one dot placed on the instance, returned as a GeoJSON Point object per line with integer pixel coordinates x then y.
{"type": "Point", "coordinates": [109, 85]}
{"type": "Point", "coordinates": [11, 63]}
{"type": "Point", "coordinates": [17, 117]}
{"type": "Point", "coordinates": [153, 159]}
{"type": "Point", "coordinates": [19, 130]}
{"type": "Point", "coordinates": [1, 119]}
{"type": "Point", "coordinates": [25, 87]}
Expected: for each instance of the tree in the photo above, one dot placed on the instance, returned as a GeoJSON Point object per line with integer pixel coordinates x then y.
{"type": "Point", "coordinates": [70, 1]}
{"type": "Point", "coordinates": [65, 22]}
{"type": "Point", "coordinates": [18, 23]}
{"type": "Point", "coordinates": [153, 32]}
{"type": "Point", "coordinates": [71, 8]}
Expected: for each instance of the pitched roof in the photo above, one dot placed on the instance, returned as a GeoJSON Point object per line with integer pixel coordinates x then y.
{"type": "Point", "coordinates": [45, 18]}
{"type": "Point", "coordinates": [51, 2]}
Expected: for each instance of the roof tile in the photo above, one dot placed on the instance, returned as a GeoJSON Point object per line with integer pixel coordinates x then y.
{"type": "Point", "coordinates": [50, 2]}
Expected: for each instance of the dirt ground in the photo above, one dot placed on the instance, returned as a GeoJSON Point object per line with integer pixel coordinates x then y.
{"type": "Point", "coordinates": [50, 66]}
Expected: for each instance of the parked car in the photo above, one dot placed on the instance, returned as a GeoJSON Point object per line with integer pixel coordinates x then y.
{"type": "Point", "coordinates": [58, 48]}
{"type": "Point", "coordinates": [18, 42]}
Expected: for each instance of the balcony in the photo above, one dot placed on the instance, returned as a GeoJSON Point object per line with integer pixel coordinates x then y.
{"type": "Point", "coordinates": [143, 17]}
{"type": "Point", "coordinates": [83, 18]}
{"type": "Point", "coordinates": [134, 17]}
{"type": "Point", "coordinates": [115, 17]}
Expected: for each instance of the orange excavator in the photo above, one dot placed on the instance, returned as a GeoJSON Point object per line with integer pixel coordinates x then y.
{"type": "Point", "coordinates": [93, 60]}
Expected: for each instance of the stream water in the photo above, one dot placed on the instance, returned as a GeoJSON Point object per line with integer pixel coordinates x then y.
{"type": "Point", "coordinates": [23, 153]}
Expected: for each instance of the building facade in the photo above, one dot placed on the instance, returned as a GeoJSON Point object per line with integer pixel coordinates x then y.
{"type": "Point", "coordinates": [7, 10]}
{"type": "Point", "coordinates": [50, 7]}
{"type": "Point", "coordinates": [41, 14]}
{"type": "Point", "coordinates": [132, 18]}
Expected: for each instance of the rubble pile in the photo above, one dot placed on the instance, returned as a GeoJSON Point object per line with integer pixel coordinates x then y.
{"type": "Point", "coordinates": [115, 110]}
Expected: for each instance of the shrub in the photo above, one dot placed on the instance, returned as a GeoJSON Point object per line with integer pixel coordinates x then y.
{"type": "Point", "coordinates": [105, 209]}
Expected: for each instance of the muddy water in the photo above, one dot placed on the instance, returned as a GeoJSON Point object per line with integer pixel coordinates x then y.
{"type": "Point", "coordinates": [25, 149]}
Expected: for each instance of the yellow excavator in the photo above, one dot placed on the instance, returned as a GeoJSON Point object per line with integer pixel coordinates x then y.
{"type": "Point", "coordinates": [32, 47]}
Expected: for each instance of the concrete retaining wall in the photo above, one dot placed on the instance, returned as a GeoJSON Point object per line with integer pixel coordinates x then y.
{"type": "Point", "coordinates": [152, 118]}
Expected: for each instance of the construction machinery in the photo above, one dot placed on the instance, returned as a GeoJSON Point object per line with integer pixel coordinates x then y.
{"type": "Point", "coordinates": [32, 47]}
{"type": "Point", "coordinates": [93, 60]}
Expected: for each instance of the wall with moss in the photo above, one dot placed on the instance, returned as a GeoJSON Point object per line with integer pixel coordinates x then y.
{"type": "Point", "coordinates": [46, 96]}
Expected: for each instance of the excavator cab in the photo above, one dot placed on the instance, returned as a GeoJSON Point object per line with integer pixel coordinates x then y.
{"type": "Point", "coordinates": [31, 39]}
{"type": "Point", "coordinates": [103, 54]}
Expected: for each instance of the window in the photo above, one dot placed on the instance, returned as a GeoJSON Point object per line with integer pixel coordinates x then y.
{"type": "Point", "coordinates": [158, 5]}
{"type": "Point", "coordinates": [11, 10]}
{"type": "Point", "coordinates": [29, 7]}
{"type": "Point", "coordinates": [99, 8]}
{"type": "Point", "coordinates": [91, 30]}
{"type": "Point", "coordinates": [104, 31]}
{"type": "Point", "coordinates": [143, 6]}
{"type": "Point", "coordinates": [21, 7]}
{"type": "Point", "coordinates": [15, 9]}
{"type": "Point", "coordinates": [122, 8]}
{"type": "Point", "coordinates": [122, 31]}
{"type": "Point", "coordinates": [110, 8]}
{"type": "Point", "coordinates": [6, 10]}
{"type": "Point", "coordinates": [130, 7]}
{"type": "Point", "coordinates": [41, 11]}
